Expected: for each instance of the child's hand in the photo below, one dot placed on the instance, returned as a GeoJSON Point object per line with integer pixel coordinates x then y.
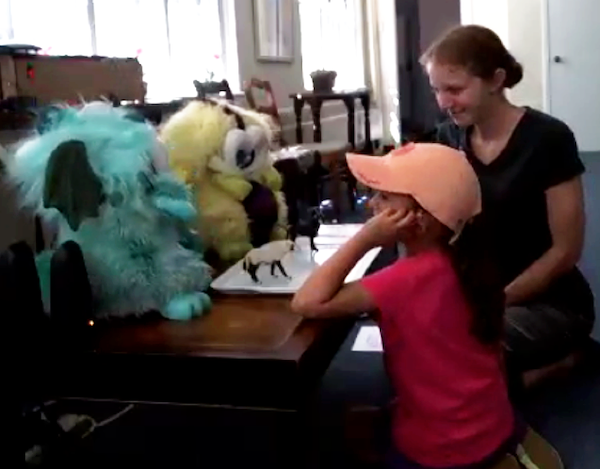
{"type": "Point", "coordinates": [383, 229]}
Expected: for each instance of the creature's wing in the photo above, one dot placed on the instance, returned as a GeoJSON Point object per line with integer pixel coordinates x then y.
{"type": "Point", "coordinates": [71, 185]}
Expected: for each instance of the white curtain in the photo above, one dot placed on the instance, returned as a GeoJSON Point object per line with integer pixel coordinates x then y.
{"type": "Point", "coordinates": [176, 41]}
{"type": "Point", "coordinates": [382, 65]}
{"type": "Point", "coordinates": [61, 28]}
{"type": "Point", "coordinates": [331, 32]}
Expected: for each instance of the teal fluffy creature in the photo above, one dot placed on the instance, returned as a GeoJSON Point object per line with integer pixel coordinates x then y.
{"type": "Point", "coordinates": [100, 175]}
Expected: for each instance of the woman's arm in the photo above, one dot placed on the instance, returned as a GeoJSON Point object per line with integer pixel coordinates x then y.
{"type": "Point", "coordinates": [324, 293]}
{"type": "Point", "coordinates": [567, 224]}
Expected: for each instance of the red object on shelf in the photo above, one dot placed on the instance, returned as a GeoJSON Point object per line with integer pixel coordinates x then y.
{"type": "Point", "coordinates": [30, 71]}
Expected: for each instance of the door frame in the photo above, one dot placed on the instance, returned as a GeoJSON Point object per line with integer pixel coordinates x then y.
{"type": "Point", "coordinates": [546, 52]}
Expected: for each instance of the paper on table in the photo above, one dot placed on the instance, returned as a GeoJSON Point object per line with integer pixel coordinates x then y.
{"type": "Point", "coordinates": [368, 339]}
{"type": "Point", "coordinates": [345, 231]}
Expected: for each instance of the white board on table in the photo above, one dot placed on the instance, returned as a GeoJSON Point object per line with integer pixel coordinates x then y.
{"type": "Point", "coordinates": [298, 264]}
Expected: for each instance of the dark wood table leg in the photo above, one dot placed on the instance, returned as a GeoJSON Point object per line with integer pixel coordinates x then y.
{"type": "Point", "coordinates": [298, 105]}
{"type": "Point", "coordinates": [315, 106]}
{"type": "Point", "coordinates": [332, 162]}
{"type": "Point", "coordinates": [40, 244]}
{"type": "Point", "coordinates": [365, 100]}
{"type": "Point", "coordinates": [349, 102]}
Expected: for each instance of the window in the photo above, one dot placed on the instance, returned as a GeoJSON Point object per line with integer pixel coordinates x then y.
{"type": "Point", "coordinates": [176, 41]}
{"type": "Point", "coordinates": [331, 33]}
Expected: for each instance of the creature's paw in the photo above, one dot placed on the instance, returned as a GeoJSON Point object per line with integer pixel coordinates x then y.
{"type": "Point", "coordinates": [180, 209]}
{"type": "Point", "coordinates": [185, 307]}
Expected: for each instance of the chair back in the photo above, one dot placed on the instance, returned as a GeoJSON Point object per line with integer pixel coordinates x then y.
{"type": "Point", "coordinates": [269, 108]}
{"type": "Point", "coordinates": [209, 88]}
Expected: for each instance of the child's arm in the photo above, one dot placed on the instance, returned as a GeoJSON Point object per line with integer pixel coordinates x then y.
{"type": "Point", "coordinates": [324, 294]}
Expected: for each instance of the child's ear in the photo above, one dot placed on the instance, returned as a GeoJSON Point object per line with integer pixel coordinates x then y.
{"type": "Point", "coordinates": [421, 220]}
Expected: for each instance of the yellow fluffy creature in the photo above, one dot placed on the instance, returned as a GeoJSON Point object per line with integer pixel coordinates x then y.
{"type": "Point", "coordinates": [222, 152]}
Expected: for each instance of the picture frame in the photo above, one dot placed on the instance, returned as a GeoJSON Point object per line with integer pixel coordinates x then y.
{"type": "Point", "coordinates": [274, 30]}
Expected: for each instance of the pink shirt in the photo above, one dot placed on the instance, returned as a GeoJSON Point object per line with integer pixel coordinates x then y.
{"type": "Point", "coordinates": [452, 406]}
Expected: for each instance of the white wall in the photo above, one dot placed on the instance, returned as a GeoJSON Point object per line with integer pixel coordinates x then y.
{"type": "Point", "coordinates": [519, 25]}
{"type": "Point", "coordinates": [286, 78]}
{"type": "Point", "coordinates": [490, 13]}
{"type": "Point", "coordinates": [525, 41]}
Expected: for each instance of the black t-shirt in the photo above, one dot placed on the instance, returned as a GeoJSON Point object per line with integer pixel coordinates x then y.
{"type": "Point", "coordinates": [541, 153]}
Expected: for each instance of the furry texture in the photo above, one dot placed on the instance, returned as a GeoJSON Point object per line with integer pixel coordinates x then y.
{"type": "Point", "coordinates": [203, 139]}
{"type": "Point", "coordinates": [133, 248]}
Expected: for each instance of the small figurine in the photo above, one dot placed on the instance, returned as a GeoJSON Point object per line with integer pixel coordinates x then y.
{"type": "Point", "coordinates": [270, 253]}
{"type": "Point", "coordinates": [309, 226]}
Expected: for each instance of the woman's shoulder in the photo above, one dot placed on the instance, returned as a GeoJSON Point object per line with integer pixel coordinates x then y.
{"type": "Point", "coordinates": [545, 123]}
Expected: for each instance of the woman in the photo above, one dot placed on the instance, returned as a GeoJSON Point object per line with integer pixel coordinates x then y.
{"type": "Point", "coordinates": [533, 214]}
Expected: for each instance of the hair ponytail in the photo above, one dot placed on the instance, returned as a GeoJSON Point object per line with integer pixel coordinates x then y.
{"type": "Point", "coordinates": [513, 70]}
{"type": "Point", "coordinates": [480, 283]}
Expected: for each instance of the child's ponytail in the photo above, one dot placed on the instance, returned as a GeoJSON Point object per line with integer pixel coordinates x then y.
{"type": "Point", "coordinates": [481, 284]}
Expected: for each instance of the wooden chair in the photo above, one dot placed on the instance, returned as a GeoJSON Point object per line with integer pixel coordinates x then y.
{"type": "Point", "coordinates": [208, 88]}
{"type": "Point", "coordinates": [328, 156]}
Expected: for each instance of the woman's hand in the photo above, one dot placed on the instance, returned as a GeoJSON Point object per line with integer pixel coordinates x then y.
{"type": "Point", "coordinates": [384, 228]}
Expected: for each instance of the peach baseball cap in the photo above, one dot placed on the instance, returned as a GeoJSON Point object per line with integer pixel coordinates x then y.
{"type": "Point", "coordinates": [439, 178]}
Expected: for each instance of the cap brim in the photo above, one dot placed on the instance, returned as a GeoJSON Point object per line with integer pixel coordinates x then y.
{"type": "Point", "coordinates": [372, 171]}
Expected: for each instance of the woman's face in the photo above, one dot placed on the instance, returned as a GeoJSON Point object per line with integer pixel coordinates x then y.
{"type": "Point", "coordinates": [462, 95]}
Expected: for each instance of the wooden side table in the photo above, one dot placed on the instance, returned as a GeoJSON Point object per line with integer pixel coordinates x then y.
{"type": "Point", "coordinates": [316, 100]}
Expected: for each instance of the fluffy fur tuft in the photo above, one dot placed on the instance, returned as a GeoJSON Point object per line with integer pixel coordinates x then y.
{"type": "Point", "coordinates": [133, 248]}
{"type": "Point", "coordinates": [197, 137]}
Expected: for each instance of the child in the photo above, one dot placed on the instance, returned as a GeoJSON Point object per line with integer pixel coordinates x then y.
{"type": "Point", "coordinates": [440, 315]}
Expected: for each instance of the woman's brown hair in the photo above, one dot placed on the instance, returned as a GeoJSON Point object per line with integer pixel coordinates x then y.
{"type": "Point", "coordinates": [477, 49]}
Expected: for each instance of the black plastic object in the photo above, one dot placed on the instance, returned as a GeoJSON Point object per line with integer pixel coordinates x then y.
{"type": "Point", "coordinates": [20, 294]}
{"type": "Point", "coordinates": [24, 323]}
{"type": "Point", "coordinates": [261, 207]}
{"type": "Point", "coordinates": [70, 296]}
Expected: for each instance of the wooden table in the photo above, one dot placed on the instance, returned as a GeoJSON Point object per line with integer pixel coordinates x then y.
{"type": "Point", "coordinates": [316, 100]}
{"type": "Point", "coordinates": [274, 362]}
{"type": "Point", "coordinates": [249, 351]}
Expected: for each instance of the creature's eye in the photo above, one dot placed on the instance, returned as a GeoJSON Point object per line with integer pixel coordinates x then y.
{"type": "Point", "coordinates": [238, 150]}
{"type": "Point", "coordinates": [244, 159]}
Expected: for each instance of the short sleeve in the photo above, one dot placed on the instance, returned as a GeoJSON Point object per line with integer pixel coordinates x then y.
{"type": "Point", "coordinates": [390, 286]}
{"type": "Point", "coordinates": [559, 160]}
